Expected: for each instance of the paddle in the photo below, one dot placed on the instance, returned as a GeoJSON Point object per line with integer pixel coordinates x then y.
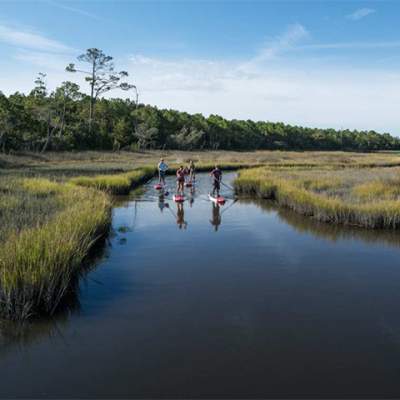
{"type": "Point", "coordinates": [227, 186]}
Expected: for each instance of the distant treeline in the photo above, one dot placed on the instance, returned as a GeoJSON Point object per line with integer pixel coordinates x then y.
{"type": "Point", "coordinates": [60, 120]}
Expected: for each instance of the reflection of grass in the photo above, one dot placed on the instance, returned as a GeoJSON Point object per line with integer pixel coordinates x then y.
{"type": "Point", "coordinates": [366, 198]}
{"type": "Point", "coordinates": [47, 230]}
{"type": "Point", "coordinates": [332, 232]}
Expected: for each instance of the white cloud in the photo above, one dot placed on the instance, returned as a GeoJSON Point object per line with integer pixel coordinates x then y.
{"type": "Point", "coordinates": [30, 40]}
{"type": "Point", "coordinates": [265, 87]}
{"type": "Point", "coordinates": [360, 13]}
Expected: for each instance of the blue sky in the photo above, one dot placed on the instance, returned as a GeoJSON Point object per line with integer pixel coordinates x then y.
{"type": "Point", "coordinates": [315, 63]}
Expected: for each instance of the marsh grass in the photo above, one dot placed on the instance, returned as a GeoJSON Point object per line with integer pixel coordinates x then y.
{"type": "Point", "coordinates": [47, 231]}
{"type": "Point", "coordinates": [117, 183]}
{"type": "Point", "coordinates": [368, 198]}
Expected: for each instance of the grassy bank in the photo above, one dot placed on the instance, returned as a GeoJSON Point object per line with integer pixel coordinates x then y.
{"type": "Point", "coordinates": [116, 183]}
{"type": "Point", "coordinates": [47, 231]}
{"type": "Point", "coordinates": [367, 198]}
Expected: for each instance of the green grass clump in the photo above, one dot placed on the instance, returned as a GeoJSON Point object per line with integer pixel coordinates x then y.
{"type": "Point", "coordinates": [41, 253]}
{"type": "Point", "coordinates": [346, 197]}
{"type": "Point", "coordinates": [118, 183]}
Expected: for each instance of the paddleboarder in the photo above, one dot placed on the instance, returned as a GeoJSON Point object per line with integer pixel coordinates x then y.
{"type": "Point", "coordinates": [216, 174]}
{"type": "Point", "coordinates": [192, 171]}
{"type": "Point", "coordinates": [162, 170]}
{"type": "Point", "coordinates": [180, 180]}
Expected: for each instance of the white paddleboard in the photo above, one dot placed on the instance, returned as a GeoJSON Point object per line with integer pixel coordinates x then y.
{"type": "Point", "coordinates": [178, 198]}
{"type": "Point", "coordinates": [217, 200]}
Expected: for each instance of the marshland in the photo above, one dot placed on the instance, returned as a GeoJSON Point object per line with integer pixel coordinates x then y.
{"type": "Point", "coordinates": [180, 298]}
{"type": "Point", "coordinates": [56, 206]}
{"type": "Point", "coordinates": [273, 274]}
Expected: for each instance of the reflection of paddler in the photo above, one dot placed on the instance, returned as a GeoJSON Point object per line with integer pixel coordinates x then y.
{"type": "Point", "coordinates": [216, 216]}
{"type": "Point", "coordinates": [162, 204]}
{"type": "Point", "coordinates": [180, 216]}
{"type": "Point", "coordinates": [191, 198]}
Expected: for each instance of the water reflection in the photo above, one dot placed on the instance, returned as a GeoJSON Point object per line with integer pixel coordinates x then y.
{"type": "Point", "coordinates": [162, 204]}
{"type": "Point", "coordinates": [331, 232]}
{"type": "Point", "coordinates": [180, 216]}
{"type": "Point", "coordinates": [215, 216]}
{"type": "Point", "coordinates": [192, 193]}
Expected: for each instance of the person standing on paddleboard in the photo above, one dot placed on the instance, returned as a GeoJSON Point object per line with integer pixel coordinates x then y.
{"type": "Point", "coordinates": [192, 171]}
{"type": "Point", "coordinates": [180, 179]}
{"type": "Point", "coordinates": [216, 174]}
{"type": "Point", "coordinates": [162, 170]}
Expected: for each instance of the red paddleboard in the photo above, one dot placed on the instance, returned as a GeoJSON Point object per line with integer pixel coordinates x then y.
{"type": "Point", "coordinates": [188, 184]}
{"type": "Point", "coordinates": [217, 200]}
{"type": "Point", "coordinates": [179, 198]}
{"type": "Point", "coordinates": [158, 186]}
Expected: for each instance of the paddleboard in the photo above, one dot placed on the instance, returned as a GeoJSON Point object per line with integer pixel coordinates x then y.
{"type": "Point", "coordinates": [217, 200]}
{"type": "Point", "coordinates": [189, 184]}
{"type": "Point", "coordinates": [158, 186]}
{"type": "Point", "coordinates": [178, 198]}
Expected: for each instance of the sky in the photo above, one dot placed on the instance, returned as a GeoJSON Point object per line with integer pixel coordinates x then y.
{"type": "Point", "coordinates": [317, 63]}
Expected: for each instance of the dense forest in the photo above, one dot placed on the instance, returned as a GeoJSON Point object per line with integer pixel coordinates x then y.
{"type": "Point", "coordinates": [67, 119]}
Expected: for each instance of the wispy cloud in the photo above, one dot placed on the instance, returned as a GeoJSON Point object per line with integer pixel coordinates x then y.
{"type": "Point", "coordinates": [360, 14]}
{"type": "Point", "coordinates": [275, 48]}
{"type": "Point", "coordinates": [31, 40]}
{"type": "Point", "coordinates": [284, 42]}
{"type": "Point", "coordinates": [75, 10]}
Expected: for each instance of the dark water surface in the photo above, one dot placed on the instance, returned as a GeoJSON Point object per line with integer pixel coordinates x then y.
{"type": "Point", "coordinates": [243, 301]}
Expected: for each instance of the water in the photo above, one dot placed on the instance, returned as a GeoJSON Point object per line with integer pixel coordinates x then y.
{"type": "Point", "coordinates": [243, 301]}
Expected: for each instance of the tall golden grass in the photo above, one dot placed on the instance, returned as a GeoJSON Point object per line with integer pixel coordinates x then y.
{"type": "Point", "coordinates": [329, 196]}
{"type": "Point", "coordinates": [117, 183]}
{"type": "Point", "coordinates": [38, 262]}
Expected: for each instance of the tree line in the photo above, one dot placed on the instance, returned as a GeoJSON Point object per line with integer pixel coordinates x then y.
{"type": "Point", "coordinates": [68, 119]}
